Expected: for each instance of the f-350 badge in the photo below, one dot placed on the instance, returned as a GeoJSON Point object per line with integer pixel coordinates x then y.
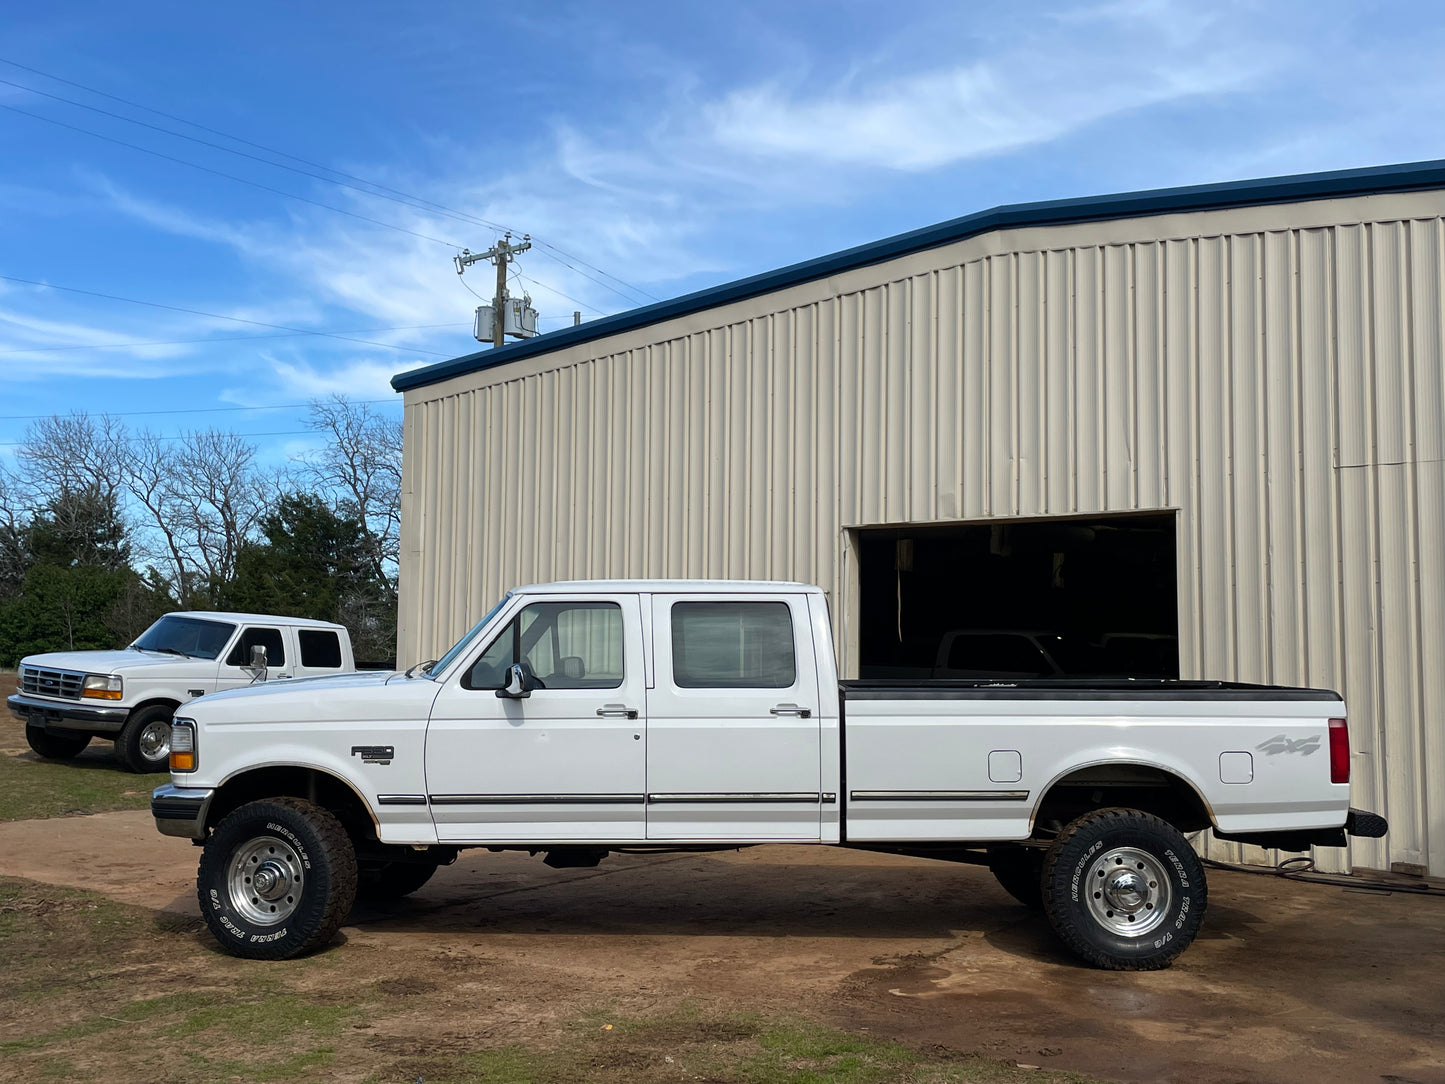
{"type": "Point", "coordinates": [374, 754]}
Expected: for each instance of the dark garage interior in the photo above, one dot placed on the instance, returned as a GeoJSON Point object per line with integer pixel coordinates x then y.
{"type": "Point", "coordinates": [1068, 597]}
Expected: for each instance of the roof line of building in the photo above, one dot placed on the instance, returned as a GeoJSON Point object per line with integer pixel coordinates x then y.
{"type": "Point", "coordinates": [1206, 197]}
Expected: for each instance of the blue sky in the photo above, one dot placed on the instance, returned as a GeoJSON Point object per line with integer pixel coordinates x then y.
{"type": "Point", "coordinates": [671, 145]}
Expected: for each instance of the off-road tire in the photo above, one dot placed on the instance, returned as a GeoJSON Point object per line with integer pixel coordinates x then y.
{"type": "Point", "coordinates": [380, 880]}
{"type": "Point", "coordinates": [309, 868]}
{"type": "Point", "coordinates": [55, 746]}
{"type": "Point", "coordinates": [1123, 890]}
{"type": "Point", "coordinates": [1019, 872]}
{"type": "Point", "coordinates": [144, 743]}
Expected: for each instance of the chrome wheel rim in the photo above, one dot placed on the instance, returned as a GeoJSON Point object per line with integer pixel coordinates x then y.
{"type": "Point", "coordinates": [265, 879]}
{"type": "Point", "coordinates": [155, 741]}
{"type": "Point", "coordinates": [1129, 891]}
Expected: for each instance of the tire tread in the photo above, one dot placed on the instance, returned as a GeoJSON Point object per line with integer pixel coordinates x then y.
{"type": "Point", "coordinates": [1057, 904]}
{"type": "Point", "coordinates": [329, 912]}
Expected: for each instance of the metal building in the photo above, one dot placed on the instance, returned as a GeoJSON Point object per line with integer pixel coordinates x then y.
{"type": "Point", "coordinates": [1196, 431]}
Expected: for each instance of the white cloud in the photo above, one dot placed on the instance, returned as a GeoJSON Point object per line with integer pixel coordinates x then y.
{"type": "Point", "coordinates": [1096, 63]}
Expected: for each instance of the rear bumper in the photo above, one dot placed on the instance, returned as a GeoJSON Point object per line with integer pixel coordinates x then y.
{"type": "Point", "coordinates": [58, 715]}
{"type": "Point", "coordinates": [181, 811]}
{"type": "Point", "coordinates": [1358, 822]}
{"type": "Point", "coordinates": [1367, 825]}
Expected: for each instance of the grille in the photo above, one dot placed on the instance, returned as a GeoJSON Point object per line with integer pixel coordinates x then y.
{"type": "Point", "coordinates": [43, 682]}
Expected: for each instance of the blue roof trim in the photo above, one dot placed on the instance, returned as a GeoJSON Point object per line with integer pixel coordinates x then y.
{"type": "Point", "coordinates": [1206, 197]}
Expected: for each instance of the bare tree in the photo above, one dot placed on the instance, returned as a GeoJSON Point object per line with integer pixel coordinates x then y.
{"type": "Point", "coordinates": [14, 533]}
{"type": "Point", "coordinates": [74, 453]}
{"type": "Point", "coordinates": [360, 469]}
{"type": "Point", "coordinates": [216, 496]}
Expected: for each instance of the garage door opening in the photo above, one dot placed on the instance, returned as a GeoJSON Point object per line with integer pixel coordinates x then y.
{"type": "Point", "coordinates": [1093, 597]}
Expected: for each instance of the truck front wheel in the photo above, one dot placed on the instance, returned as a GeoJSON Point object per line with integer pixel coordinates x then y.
{"type": "Point", "coordinates": [276, 879]}
{"type": "Point", "coordinates": [144, 743]}
{"type": "Point", "coordinates": [1123, 889]}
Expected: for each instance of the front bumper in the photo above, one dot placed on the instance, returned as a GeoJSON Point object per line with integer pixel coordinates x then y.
{"type": "Point", "coordinates": [58, 715]}
{"type": "Point", "coordinates": [181, 811]}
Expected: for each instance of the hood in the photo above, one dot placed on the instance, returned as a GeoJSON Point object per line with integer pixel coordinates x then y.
{"type": "Point", "coordinates": [113, 662]}
{"type": "Point", "coordinates": [373, 695]}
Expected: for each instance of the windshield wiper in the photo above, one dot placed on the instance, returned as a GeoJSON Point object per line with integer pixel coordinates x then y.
{"type": "Point", "coordinates": [424, 667]}
{"type": "Point", "coordinates": [166, 651]}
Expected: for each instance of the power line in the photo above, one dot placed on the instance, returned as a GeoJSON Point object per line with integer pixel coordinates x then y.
{"type": "Point", "coordinates": [253, 184]}
{"type": "Point", "coordinates": [192, 410]}
{"type": "Point", "coordinates": [218, 316]}
{"type": "Point", "coordinates": [415, 201]}
{"type": "Point", "coordinates": [212, 339]}
{"type": "Point", "coordinates": [228, 176]}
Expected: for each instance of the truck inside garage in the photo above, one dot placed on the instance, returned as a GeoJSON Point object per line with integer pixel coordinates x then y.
{"type": "Point", "coordinates": [1092, 596]}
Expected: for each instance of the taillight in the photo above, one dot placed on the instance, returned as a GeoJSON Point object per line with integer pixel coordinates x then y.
{"type": "Point", "coordinates": [1339, 751]}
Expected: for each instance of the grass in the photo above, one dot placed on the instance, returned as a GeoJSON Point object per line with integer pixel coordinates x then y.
{"type": "Point", "coordinates": [94, 782]}
{"type": "Point", "coordinates": [90, 988]}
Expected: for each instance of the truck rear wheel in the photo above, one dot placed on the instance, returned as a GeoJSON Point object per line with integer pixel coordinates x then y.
{"type": "Point", "coordinates": [144, 743]}
{"type": "Point", "coordinates": [276, 879]}
{"type": "Point", "coordinates": [55, 746]}
{"type": "Point", "coordinates": [1123, 889]}
{"type": "Point", "coordinates": [1019, 872]}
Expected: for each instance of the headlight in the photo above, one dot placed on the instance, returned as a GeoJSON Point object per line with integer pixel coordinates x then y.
{"type": "Point", "coordinates": [101, 687]}
{"type": "Point", "coordinates": [183, 745]}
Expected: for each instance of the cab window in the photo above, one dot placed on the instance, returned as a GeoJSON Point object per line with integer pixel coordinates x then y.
{"type": "Point", "coordinates": [563, 645]}
{"type": "Point", "coordinates": [732, 645]}
{"type": "Point", "coordinates": [270, 639]}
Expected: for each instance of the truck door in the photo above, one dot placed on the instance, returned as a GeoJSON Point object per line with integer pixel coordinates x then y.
{"type": "Point", "coordinates": [566, 762]}
{"type": "Point", "coordinates": [733, 735]}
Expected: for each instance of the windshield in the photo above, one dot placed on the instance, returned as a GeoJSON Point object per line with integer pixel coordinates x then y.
{"type": "Point", "coordinates": [461, 645]}
{"type": "Point", "coordinates": [190, 636]}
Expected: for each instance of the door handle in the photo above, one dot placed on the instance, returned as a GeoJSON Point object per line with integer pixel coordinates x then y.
{"type": "Point", "coordinates": [791, 709]}
{"type": "Point", "coordinates": [617, 711]}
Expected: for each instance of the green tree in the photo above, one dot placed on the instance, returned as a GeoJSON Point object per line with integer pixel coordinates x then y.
{"type": "Point", "coordinates": [315, 562]}
{"type": "Point", "coordinates": [61, 609]}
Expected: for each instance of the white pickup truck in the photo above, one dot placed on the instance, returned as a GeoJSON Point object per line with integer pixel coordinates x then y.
{"type": "Point", "coordinates": [577, 719]}
{"type": "Point", "coordinates": [66, 698]}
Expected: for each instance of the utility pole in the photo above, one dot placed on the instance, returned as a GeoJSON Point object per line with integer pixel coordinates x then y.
{"type": "Point", "coordinates": [502, 253]}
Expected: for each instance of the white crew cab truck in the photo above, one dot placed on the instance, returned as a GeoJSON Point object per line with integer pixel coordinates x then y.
{"type": "Point", "coordinates": [577, 719]}
{"type": "Point", "coordinates": [66, 698]}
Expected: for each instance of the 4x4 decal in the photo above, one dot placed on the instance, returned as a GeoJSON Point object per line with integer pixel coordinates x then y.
{"type": "Point", "coordinates": [1282, 743]}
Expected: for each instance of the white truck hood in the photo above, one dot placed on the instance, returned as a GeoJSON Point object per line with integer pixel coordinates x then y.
{"type": "Point", "coordinates": [117, 662]}
{"type": "Point", "coordinates": [362, 696]}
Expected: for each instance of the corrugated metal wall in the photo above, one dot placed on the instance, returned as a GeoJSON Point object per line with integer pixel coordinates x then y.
{"type": "Point", "coordinates": [1273, 374]}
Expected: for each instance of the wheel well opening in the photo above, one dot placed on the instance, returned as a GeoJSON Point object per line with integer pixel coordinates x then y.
{"type": "Point", "coordinates": [309, 784]}
{"type": "Point", "coordinates": [1132, 786]}
{"type": "Point", "coordinates": [161, 702]}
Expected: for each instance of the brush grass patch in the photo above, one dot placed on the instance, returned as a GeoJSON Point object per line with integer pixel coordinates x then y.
{"type": "Point", "coordinates": [32, 788]}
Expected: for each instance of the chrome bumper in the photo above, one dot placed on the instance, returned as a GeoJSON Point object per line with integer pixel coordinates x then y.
{"type": "Point", "coordinates": [55, 715]}
{"type": "Point", "coordinates": [181, 811]}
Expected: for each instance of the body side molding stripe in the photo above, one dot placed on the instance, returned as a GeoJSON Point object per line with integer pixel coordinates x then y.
{"type": "Point", "coordinates": [809, 797]}
{"type": "Point", "coordinates": [536, 799]}
{"type": "Point", "coordinates": [401, 799]}
{"type": "Point", "coordinates": [939, 796]}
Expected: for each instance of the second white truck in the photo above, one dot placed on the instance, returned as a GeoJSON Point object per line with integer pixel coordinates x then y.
{"type": "Point", "coordinates": [66, 698]}
{"type": "Point", "coordinates": [577, 719]}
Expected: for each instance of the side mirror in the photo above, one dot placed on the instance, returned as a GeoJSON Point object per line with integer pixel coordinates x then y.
{"type": "Point", "coordinates": [257, 669]}
{"type": "Point", "coordinates": [516, 686]}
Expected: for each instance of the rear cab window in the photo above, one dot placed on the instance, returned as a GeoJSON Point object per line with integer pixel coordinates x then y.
{"type": "Point", "coordinates": [733, 645]}
{"type": "Point", "coordinates": [320, 649]}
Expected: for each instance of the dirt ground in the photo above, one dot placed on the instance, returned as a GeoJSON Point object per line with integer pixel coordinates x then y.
{"type": "Point", "coordinates": [1288, 981]}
